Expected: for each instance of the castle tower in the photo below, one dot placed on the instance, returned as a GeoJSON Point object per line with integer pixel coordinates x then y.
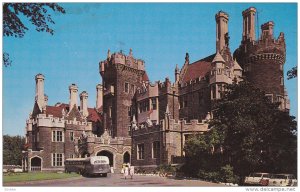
{"type": "Point", "coordinates": [121, 75]}
{"type": "Point", "coordinates": [73, 96]}
{"type": "Point", "coordinates": [39, 90]}
{"type": "Point", "coordinates": [221, 30]}
{"type": "Point", "coordinates": [218, 77]}
{"type": "Point", "coordinates": [262, 60]}
{"type": "Point", "coordinates": [249, 24]}
{"type": "Point", "coordinates": [99, 97]}
{"type": "Point", "coordinates": [83, 103]}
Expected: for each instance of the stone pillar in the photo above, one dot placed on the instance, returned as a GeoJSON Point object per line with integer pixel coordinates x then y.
{"type": "Point", "coordinates": [83, 103]}
{"type": "Point", "coordinates": [177, 71]}
{"type": "Point", "coordinates": [39, 90]}
{"type": "Point", "coordinates": [99, 98]}
{"type": "Point", "coordinates": [73, 96]}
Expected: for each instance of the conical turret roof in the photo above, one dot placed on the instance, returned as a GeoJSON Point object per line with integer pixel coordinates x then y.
{"type": "Point", "coordinates": [218, 58]}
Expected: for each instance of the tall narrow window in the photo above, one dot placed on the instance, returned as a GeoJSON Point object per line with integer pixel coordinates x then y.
{"type": "Point", "coordinates": [213, 91]}
{"type": "Point", "coordinates": [281, 81]}
{"type": "Point", "coordinates": [140, 151]}
{"type": "Point", "coordinates": [155, 149]}
{"type": "Point", "coordinates": [132, 89]}
{"type": "Point", "coordinates": [154, 105]}
{"type": "Point", "coordinates": [110, 111]}
{"type": "Point", "coordinates": [126, 87]}
{"type": "Point", "coordinates": [72, 136]}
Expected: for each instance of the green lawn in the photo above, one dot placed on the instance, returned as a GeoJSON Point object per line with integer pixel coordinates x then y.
{"type": "Point", "coordinates": [17, 177]}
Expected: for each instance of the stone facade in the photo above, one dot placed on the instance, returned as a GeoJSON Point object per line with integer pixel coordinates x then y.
{"type": "Point", "coordinates": [147, 123]}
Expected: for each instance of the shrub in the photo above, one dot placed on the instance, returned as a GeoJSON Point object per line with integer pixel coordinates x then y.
{"type": "Point", "coordinates": [227, 175]}
{"type": "Point", "coordinates": [166, 169]}
{"type": "Point", "coordinates": [208, 175]}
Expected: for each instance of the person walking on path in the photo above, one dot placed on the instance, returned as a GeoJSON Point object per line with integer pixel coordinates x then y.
{"type": "Point", "coordinates": [126, 171]}
{"type": "Point", "coordinates": [131, 171]}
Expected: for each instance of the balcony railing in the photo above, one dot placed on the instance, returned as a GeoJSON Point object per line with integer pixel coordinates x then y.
{"type": "Point", "coordinates": [36, 168]}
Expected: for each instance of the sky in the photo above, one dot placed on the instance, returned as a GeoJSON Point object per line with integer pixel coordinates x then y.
{"type": "Point", "coordinates": [158, 33]}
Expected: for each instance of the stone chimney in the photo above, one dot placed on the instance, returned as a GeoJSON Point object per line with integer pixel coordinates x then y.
{"type": "Point", "coordinates": [83, 103]}
{"type": "Point", "coordinates": [99, 98]}
{"type": "Point", "coordinates": [177, 72]}
{"type": "Point", "coordinates": [222, 30]}
{"type": "Point", "coordinates": [249, 24]}
{"type": "Point", "coordinates": [46, 100]}
{"type": "Point", "coordinates": [39, 90]}
{"type": "Point", "coordinates": [73, 96]}
{"type": "Point", "coordinates": [267, 30]}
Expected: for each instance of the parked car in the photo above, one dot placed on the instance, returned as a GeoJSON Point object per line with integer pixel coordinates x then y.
{"type": "Point", "coordinates": [258, 179]}
{"type": "Point", "coordinates": [17, 170]}
{"type": "Point", "coordinates": [282, 180]}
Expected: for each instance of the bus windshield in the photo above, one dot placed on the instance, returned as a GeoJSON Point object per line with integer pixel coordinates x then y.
{"type": "Point", "coordinates": [99, 160]}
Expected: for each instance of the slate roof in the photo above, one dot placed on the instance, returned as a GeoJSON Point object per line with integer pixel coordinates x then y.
{"type": "Point", "coordinates": [145, 77]}
{"type": "Point", "coordinates": [56, 111]}
{"type": "Point", "coordinates": [198, 69]}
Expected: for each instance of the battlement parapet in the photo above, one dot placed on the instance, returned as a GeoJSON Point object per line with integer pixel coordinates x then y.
{"type": "Point", "coordinates": [49, 121]}
{"type": "Point", "coordinates": [127, 60]}
{"type": "Point", "coordinates": [148, 90]}
{"type": "Point", "coordinates": [167, 87]}
{"type": "Point", "coordinates": [192, 125]}
{"type": "Point", "coordinates": [265, 56]}
{"type": "Point", "coordinates": [108, 140]}
{"type": "Point", "coordinates": [265, 45]}
{"type": "Point", "coordinates": [173, 125]}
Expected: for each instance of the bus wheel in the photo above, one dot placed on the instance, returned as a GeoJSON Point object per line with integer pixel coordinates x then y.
{"type": "Point", "coordinates": [104, 174]}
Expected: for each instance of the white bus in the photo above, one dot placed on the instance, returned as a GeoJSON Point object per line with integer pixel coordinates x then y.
{"type": "Point", "coordinates": [96, 165]}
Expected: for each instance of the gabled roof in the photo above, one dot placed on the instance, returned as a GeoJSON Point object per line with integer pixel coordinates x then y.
{"type": "Point", "coordinates": [198, 69]}
{"type": "Point", "coordinates": [94, 116]}
{"type": "Point", "coordinates": [56, 111]}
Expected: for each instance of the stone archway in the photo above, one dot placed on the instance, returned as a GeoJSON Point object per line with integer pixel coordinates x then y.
{"type": "Point", "coordinates": [126, 157]}
{"type": "Point", "coordinates": [108, 154]}
{"type": "Point", "coordinates": [36, 164]}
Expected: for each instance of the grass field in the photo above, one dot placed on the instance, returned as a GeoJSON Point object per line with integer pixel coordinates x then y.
{"type": "Point", "coordinates": [19, 177]}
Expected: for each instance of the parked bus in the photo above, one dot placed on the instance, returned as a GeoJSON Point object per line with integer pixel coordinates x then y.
{"type": "Point", "coordinates": [97, 165]}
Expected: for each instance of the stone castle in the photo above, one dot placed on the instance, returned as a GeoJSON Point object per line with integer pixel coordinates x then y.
{"type": "Point", "coordinates": [147, 123]}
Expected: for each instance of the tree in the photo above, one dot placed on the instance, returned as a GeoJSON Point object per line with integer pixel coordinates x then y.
{"type": "Point", "coordinates": [292, 73]}
{"type": "Point", "coordinates": [12, 149]}
{"type": "Point", "coordinates": [37, 13]}
{"type": "Point", "coordinates": [248, 133]}
{"type": "Point", "coordinates": [256, 133]}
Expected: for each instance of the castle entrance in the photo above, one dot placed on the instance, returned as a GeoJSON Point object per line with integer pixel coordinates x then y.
{"type": "Point", "coordinates": [109, 155]}
{"type": "Point", "coordinates": [126, 157]}
{"type": "Point", "coordinates": [36, 164]}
